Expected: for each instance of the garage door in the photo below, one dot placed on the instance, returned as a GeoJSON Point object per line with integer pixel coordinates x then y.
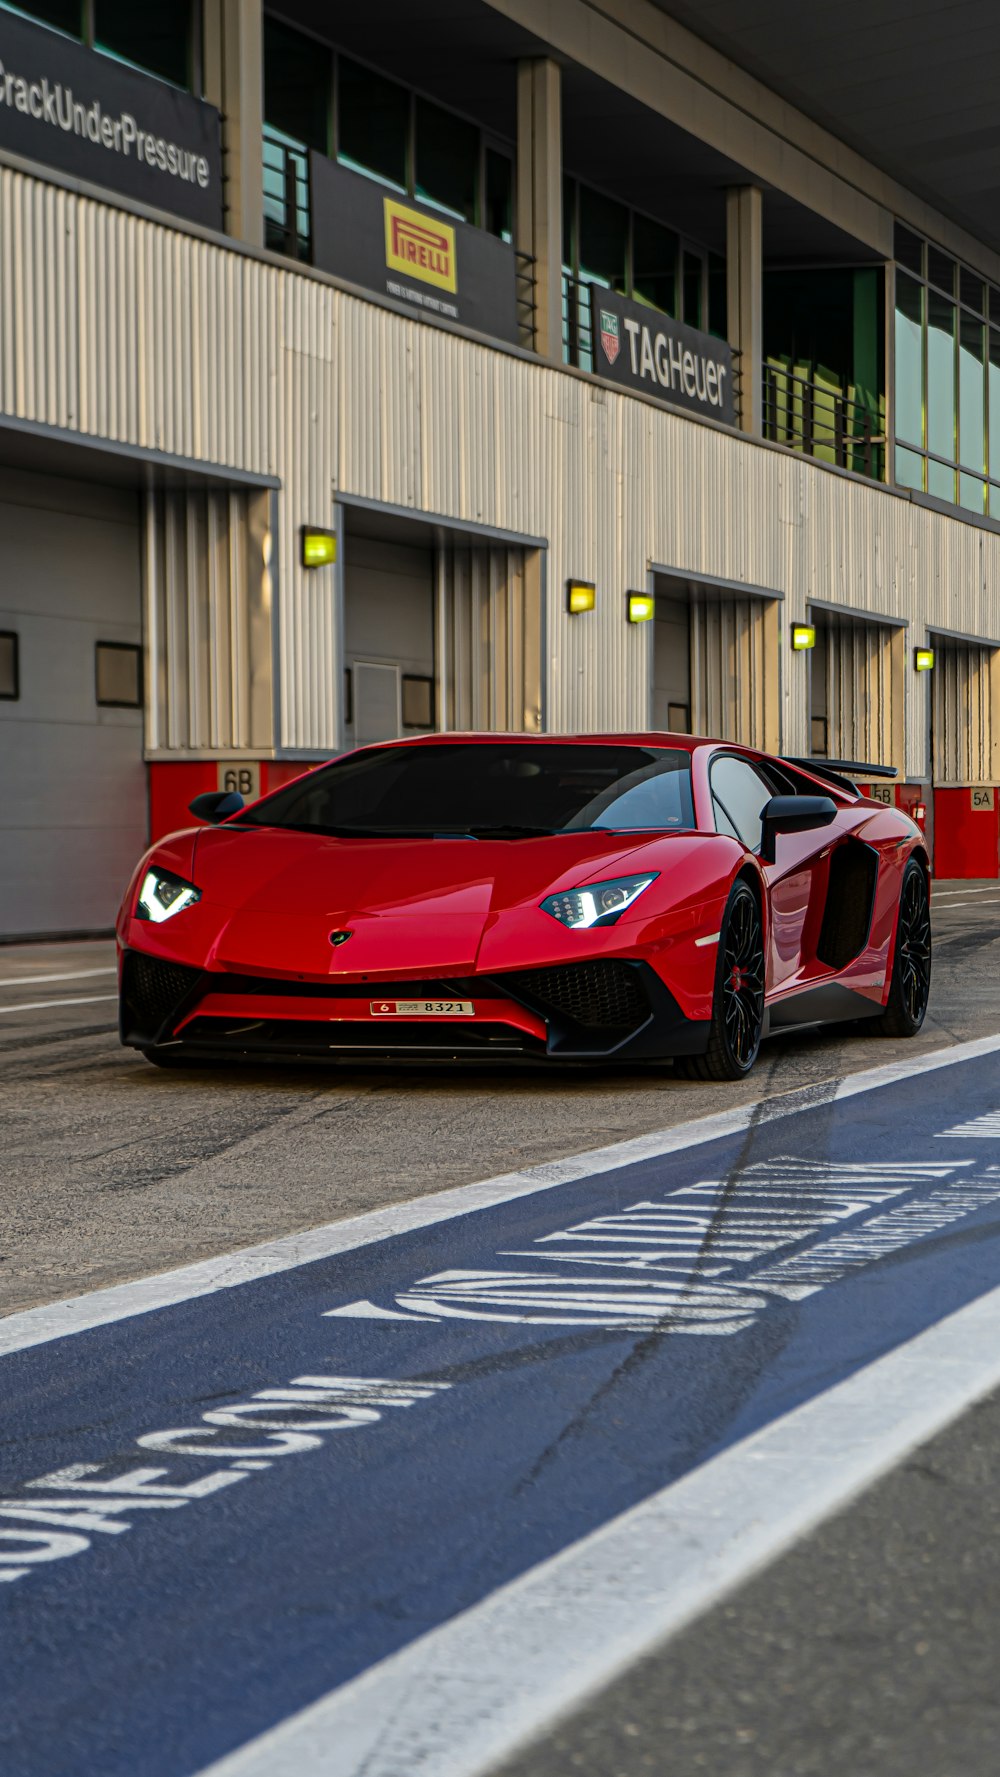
{"type": "Point", "coordinates": [73, 816]}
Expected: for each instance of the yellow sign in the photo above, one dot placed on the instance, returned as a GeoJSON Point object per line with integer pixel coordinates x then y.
{"type": "Point", "coordinates": [419, 246]}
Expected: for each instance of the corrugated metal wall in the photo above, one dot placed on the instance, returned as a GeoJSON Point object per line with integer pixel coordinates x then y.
{"type": "Point", "coordinates": [114, 326]}
{"type": "Point", "coordinates": [734, 668]}
{"type": "Point", "coordinates": [858, 683]}
{"type": "Point", "coordinates": [208, 622]}
{"type": "Point", "coordinates": [488, 638]}
{"type": "Point", "coordinates": [963, 726]}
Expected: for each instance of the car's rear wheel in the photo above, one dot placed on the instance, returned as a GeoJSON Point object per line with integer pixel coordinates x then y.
{"type": "Point", "coordinates": [738, 1007]}
{"type": "Point", "coordinates": [910, 985]}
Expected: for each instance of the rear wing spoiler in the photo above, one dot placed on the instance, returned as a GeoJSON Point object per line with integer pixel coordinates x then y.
{"type": "Point", "coordinates": [836, 770]}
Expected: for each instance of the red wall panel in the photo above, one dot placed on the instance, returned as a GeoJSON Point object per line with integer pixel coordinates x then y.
{"type": "Point", "coordinates": [966, 839]}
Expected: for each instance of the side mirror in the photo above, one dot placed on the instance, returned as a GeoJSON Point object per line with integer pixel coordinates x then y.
{"type": "Point", "coordinates": [216, 805]}
{"type": "Point", "coordinates": [792, 814]}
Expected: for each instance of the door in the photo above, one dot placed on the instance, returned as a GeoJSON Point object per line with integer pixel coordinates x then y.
{"type": "Point", "coordinates": [739, 794]}
{"type": "Point", "coordinates": [376, 702]}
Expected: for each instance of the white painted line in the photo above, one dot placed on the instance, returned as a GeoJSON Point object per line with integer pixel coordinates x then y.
{"type": "Point", "coordinates": [985, 888]}
{"type": "Point", "coordinates": [963, 901]}
{"type": "Point", "coordinates": [84, 999]}
{"type": "Point", "coordinates": [69, 975]}
{"type": "Point", "coordinates": [472, 1692]}
{"type": "Point", "coordinates": [79, 1314]}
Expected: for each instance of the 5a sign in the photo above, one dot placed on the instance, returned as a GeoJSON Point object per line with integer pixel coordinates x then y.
{"type": "Point", "coordinates": [983, 800]}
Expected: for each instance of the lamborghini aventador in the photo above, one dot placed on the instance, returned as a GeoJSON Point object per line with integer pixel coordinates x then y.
{"type": "Point", "coordinates": [612, 899]}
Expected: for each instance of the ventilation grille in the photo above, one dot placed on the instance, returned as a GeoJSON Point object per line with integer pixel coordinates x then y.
{"type": "Point", "coordinates": [153, 989]}
{"type": "Point", "coordinates": [602, 995]}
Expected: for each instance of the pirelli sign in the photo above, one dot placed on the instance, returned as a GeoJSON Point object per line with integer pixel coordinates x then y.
{"type": "Point", "coordinates": [437, 266]}
{"type": "Point", "coordinates": [642, 349]}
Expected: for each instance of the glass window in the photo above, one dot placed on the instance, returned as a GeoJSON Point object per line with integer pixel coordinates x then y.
{"type": "Point", "coordinates": [499, 217]}
{"type": "Point", "coordinates": [373, 123]}
{"type": "Point", "coordinates": [515, 789]}
{"type": "Point", "coordinates": [119, 675]}
{"type": "Point", "coordinates": [693, 281]}
{"type": "Point", "coordinates": [994, 502]}
{"type": "Point", "coordinates": [718, 312]}
{"type": "Point", "coordinates": [940, 375]}
{"type": "Point", "coordinates": [298, 80]}
{"type": "Point", "coordinates": [995, 306]}
{"type": "Point", "coordinates": [654, 265]}
{"type": "Point", "coordinates": [971, 493]}
{"type": "Point", "coordinates": [741, 794]}
{"type": "Point", "coordinates": [909, 250]}
{"type": "Point", "coordinates": [155, 38]}
{"type": "Point", "coordinates": [603, 238]}
{"type": "Point", "coordinates": [941, 481]}
{"type": "Point", "coordinates": [994, 386]}
{"type": "Point", "coordinates": [909, 469]}
{"type": "Point", "coordinates": [9, 678]}
{"type": "Point", "coordinates": [64, 15]}
{"type": "Point", "coordinates": [447, 171]}
{"type": "Point", "coordinates": [971, 393]}
{"type": "Point", "coordinates": [971, 290]}
{"type": "Point", "coordinates": [909, 359]}
{"type": "Point", "coordinates": [941, 269]}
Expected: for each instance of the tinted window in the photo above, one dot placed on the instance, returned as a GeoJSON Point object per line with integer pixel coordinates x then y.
{"type": "Point", "coordinates": [373, 123]}
{"type": "Point", "coordinates": [515, 789]}
{"type": "Point", "coordinates": [157, 38]}
{"type": "Point", "coordinates": [739, 795]}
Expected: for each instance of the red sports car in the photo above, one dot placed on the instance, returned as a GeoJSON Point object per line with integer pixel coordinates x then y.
{"type": "Point", "coordinates": [614, 898]}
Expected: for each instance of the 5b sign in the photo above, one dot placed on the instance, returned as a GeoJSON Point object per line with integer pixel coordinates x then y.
{"type": "Point", "coordinates": [236, 775]}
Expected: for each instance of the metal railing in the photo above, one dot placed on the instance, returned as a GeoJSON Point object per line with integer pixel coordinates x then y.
{"type": "Point", "coordinates": [287, 205]}
{"type": "Point", "coordinates": [823, 420]}
{"type": "Point", "coordinates": [578, 334]}
{"type": "Point", "coordinates": [525, 298]}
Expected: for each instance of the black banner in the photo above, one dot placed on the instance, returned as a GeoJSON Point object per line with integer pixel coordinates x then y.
{"type": "Point", "coordinates": [376, 238]}
{"type": "Point", "coordinates": [82, 112]}
{"type": "Point", "coordinates": [642, 349]}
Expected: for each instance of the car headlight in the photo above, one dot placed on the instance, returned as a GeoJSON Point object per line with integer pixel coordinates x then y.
{"type": "Point", "coordinates": [163, 894]}
{"type": "Point", "coordinates": [599, 904]}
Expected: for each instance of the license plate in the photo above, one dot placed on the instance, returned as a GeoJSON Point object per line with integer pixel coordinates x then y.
{"type": "Point", "coordinates": [422, 1009]}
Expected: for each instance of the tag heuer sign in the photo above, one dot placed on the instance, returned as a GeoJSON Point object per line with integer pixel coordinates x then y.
{"type": "Point", "coordinates": [641, 349]}
{"type": "Point", "coordinates": [610, 341]}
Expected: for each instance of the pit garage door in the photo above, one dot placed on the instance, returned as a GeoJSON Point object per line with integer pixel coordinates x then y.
{"type": "Point", "coordinates": [856, 689]}
{"type": "Point", "coordinates": [73, 816]}
{"type": "Point", "coordinates": [965, 742]}
{"type": "Point", "coordinates": [715, 663]}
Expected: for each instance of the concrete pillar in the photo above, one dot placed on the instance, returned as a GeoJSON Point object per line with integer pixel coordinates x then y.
{"type": "Point", "coordinates": [234, 81]}
{"type": "Point", "coordinates": [539, 195]}
{"type": "Point", "coordinates": [744, 295]}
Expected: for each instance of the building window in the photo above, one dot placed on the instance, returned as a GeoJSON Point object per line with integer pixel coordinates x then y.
{"type": "Point", "coordinates": [119, 675]}
{"type": "Point", "coordinates": [373, 124]}
{"type": "Point", "coordinates": [608, 244]}
{"type": "Point", "coordinates": [10, 682]}
{"type": "Point", "coordinates": [447, 161]}
{"type": "Point", "coordinates": [947, 377]}
{"type": "Point", "coordinates": [62, 15]}
{"type": "Point", "coordinates": [157, 39]}
{"type": "Point", "coordinates": [298, 86]}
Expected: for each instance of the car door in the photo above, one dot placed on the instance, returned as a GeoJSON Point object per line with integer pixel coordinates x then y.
{"type": "Point", "coordinates": [740, 791]}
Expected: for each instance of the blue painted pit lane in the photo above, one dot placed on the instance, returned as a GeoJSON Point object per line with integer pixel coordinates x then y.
{"type": "Point", "coordinates": [433, 1456]}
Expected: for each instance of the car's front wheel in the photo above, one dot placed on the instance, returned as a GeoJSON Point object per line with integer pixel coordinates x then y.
{"type": "Point", "coordinates": [910, 984]}
{"type": "Point", "coordinates": [738, 1007]}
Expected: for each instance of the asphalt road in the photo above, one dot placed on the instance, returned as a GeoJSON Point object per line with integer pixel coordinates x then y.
{"type": "Point", "coordinates": [112, 1169]}
{"type": "Point", "coordinates": [543, 1381]}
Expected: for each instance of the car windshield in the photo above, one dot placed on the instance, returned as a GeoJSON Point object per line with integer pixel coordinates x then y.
{"type": "Point", "coordinates": [502, 789]}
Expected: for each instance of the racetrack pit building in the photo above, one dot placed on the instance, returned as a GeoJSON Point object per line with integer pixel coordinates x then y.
{"type": "Point", "coordinates": [335, 351]}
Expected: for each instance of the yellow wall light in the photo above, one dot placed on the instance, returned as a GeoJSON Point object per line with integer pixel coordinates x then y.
{"type": "Point", "coordinates": [923, 660]}
{"type": "Point", "coordinates": [641, 606]}
{"type": "Point", "coordinates": [319, 548]}
{"type": "Point", "coordinates": [580, 596]}
{"type": "Point", "coordinates": [803, 637]}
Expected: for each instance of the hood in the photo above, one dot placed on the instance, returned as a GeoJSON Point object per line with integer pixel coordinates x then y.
{"type": "Point", "coordinates": [409, 904]}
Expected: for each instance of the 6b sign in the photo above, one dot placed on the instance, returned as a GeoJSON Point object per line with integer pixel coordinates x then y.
{"type": "Point", "coordinates": [234, 775]}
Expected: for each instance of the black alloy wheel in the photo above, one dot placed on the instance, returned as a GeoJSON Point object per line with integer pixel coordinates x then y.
{"type": "Point", "coordinates": [910, 985]}
{"type": "Point", "coordinates": [738, 1010]}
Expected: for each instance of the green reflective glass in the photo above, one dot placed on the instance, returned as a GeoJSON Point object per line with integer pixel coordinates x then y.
{"type": "Point", "coordinates": [909, 360]}
{"type": "Point", "coordinates": [940, 375]}
{"type": "Point", "coordinates": [693, 280]}
{"type": "Point", "coordinates": [994, 392]}
{"type": "Point", "coordinates": [971, 394]}
{"type": "Point", "coordinates": [971, 493]}
{"type": "Point", "coordinates": [994, 501]}
{"type": "Point", "coordinates": [373, 123]}
{"type": "Point", "coordinates": [654, 264]}
{"type": "Point", "coordinates": [941, 481]}
{"type": "Point", "coordinates": [909, 469]}
{"type": "Point", "coordinates": [447, 153]}
{"type": "Point", "coordinates": [156, 38]}
{"type": "Point", "coordinates": [499, 217]}
{"type": "Point", "coordinates": [298, 78]}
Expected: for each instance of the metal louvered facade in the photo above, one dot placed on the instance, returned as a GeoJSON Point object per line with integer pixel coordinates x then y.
{"type": "Point", "coordinates": [115, 327]}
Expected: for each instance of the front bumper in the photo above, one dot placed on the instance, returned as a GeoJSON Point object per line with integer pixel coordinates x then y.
{"type": "Point", "coordinates": [598, 1009]}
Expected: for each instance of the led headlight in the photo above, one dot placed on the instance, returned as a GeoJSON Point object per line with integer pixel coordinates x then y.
{"type": "Point", "coordinates": [599, 904]}
{"type": "Point", "coordinates": [163, 894]}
